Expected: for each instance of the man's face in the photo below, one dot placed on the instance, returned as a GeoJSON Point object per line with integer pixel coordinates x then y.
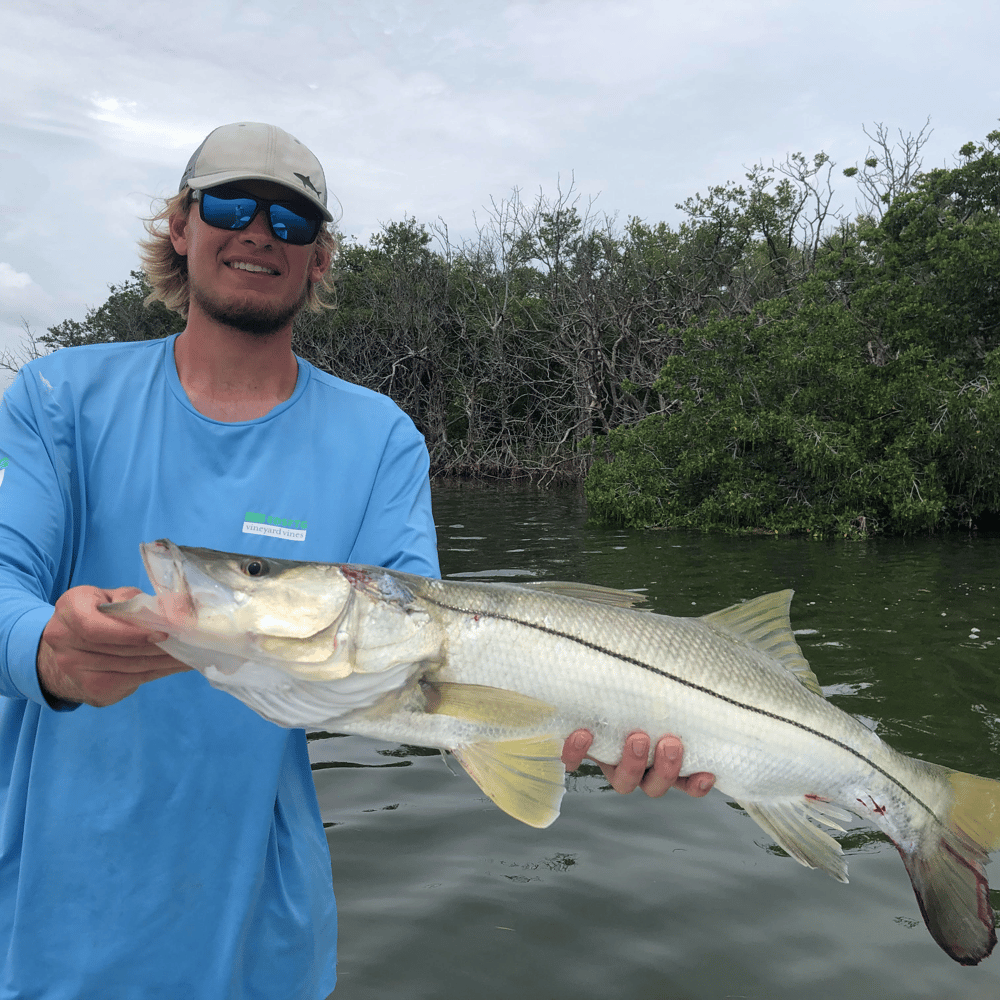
{"type": "Point", "coordinates": [248, 278]}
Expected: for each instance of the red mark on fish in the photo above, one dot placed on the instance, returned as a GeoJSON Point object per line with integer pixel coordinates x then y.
{"type": "Point", "coordinates": [875, 807]}
{"type": "Point", "coordinates": [357, 577]}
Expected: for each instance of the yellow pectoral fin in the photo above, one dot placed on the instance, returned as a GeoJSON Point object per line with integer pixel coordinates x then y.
{"type": "Point", "coordinates": [525, 778]}
{"type": "Point", "coordinates": [489, 705]}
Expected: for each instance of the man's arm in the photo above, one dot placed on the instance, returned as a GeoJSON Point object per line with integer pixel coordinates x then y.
{"type": "Point", "coordinates": [69, 653]}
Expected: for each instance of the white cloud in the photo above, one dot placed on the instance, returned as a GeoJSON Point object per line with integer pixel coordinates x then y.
{"type": "Point", "coordinates": [11, 280]}
{"type": "Point", "coordinates": [21, 299]}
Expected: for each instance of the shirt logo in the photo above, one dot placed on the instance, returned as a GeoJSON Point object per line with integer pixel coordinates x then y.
{"type": "Point", "coordinates": [4, 462]}
{"type": "Point", "coordinates": [291, 529]}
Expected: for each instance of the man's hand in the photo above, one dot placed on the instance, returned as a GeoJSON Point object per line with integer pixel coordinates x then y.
{"type": "Point", "coordinates": [631, 773]}
{"type": "Point", "coordinates": [88, 657]}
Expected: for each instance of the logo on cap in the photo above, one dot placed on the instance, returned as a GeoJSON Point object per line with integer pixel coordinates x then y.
{"type": "Point", "coordinates": [307, 182]}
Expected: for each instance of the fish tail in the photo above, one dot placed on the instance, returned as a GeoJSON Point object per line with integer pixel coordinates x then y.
{"type": "Point", "coordinates": [946, 867]}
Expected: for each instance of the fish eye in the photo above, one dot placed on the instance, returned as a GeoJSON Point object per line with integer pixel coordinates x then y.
{"type": "Point", "coordinates": [255, 567]}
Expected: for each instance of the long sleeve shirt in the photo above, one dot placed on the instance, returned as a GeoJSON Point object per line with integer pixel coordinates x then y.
{"type": "Point", "coordinates": [171, 845]}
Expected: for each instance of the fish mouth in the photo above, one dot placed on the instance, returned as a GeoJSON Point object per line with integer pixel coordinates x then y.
{"type": "Point", "coordinates": [190, 592]}
{"type": "Point", "coordinates": [164, 564]}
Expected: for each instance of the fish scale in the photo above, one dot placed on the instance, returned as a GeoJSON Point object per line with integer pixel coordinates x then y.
{"type": "Point", "coordinates": [501, 674]}
{"type": "Point", "coordinates": [673, 649]}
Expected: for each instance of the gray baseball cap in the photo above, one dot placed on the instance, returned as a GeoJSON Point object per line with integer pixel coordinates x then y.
{"type": "Point", "coordinates": [247, 151]}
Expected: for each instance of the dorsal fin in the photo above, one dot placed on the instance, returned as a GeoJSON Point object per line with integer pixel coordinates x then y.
{"type": "Point", "coordinates": [588, 592]}
{"type": "Point", "coordinates": [764, 622]}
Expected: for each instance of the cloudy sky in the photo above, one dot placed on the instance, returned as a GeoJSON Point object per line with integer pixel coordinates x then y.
{"type": "Point", "coordinates": [431, 108]}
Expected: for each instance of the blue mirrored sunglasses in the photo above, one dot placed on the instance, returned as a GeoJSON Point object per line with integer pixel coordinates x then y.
{"type": "Point", "coordinates": [232, 208]}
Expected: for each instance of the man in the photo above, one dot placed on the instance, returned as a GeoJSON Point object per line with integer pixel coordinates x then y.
{"type": "Point", "coordinates": [161, 840]}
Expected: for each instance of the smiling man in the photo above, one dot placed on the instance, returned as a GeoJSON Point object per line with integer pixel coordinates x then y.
{"type": "Point", "coordinates": [160, 840]}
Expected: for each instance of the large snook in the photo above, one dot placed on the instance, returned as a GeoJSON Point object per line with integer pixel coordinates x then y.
{"type": "Point", "coordinates": [500, 674]}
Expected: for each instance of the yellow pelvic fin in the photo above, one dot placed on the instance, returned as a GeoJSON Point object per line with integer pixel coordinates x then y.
{"type": "Point", "coordinates": [764, 623]}
{"type": "Point", "coordinates": [525, 778]}
{"type": "Point", "coordinates": [488, 705]}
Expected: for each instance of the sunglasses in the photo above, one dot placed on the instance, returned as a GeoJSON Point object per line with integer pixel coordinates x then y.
{"type": "Point", "coordinates": [231, 208]}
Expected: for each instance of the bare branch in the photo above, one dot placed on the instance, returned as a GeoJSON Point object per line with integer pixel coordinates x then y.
{"type": "Point", "coordinates": [14, 360]}
{"type": "Point", "coordinates": [889, 169]}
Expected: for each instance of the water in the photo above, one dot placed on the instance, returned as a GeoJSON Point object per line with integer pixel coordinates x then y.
{"type": "Point", "coordinates": [443, 896]}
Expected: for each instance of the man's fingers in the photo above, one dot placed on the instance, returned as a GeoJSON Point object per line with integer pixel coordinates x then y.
{"type": "Point", "coordinates": [628, 775]}
{"type": "Point", "coordinates": [109, 652]}
{"type": "Point", "coordinates": [86, 656]}
{"type": "Point", "coordinates": [624, 777]}
{"type": "Point", "coordinates": [129, 660]}
{"type": "Point", "coordinates": [697, 785]}
{"type": "Point", "coordinates": [101, 688]}
{"type": "Point", "coordinates": [83, 626]}
{"type": "Point", "coordinates": [575, 748]}
{"type": "Point", "coordinates": [632, 772]}
{"type": "Point", "coordinates": [666, 768]}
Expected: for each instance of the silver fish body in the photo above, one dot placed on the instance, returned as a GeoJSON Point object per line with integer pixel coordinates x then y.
{"type": "Point", "coordinates": [500, 674]}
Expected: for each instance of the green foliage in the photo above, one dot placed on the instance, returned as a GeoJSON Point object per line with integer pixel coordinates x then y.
{"type": "Point", "coordinates": [929, 268]}
{"type": "Point", "coordinates": [859, 402]}
{"type": "Point", "coordinates": [765, 365]}
{"type": "Point", "coordinates": [122, 317]}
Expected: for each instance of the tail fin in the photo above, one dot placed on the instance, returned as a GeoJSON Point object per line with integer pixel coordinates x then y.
{"type": "Point", "coordinates": [946, 870]}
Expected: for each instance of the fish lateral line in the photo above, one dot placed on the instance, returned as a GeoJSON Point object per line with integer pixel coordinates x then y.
{"type": "Point", "coordinates": [691, 685]}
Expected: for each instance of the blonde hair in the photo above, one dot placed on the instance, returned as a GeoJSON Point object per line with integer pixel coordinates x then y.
{"type": "Point", "coordinates": [167, 270]}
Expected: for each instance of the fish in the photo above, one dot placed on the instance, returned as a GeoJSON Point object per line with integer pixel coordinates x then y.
{"type": "Point", "coordinates": [499, 674]}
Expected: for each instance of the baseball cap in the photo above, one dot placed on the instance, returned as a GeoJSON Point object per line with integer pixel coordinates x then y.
{"type": "Point", "coordinates": [247, 151]}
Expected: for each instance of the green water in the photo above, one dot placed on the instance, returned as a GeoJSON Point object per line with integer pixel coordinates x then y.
{"type": "Point", "coordinates": [442, 896]}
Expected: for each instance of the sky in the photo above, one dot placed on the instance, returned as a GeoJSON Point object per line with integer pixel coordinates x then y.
{"type": "Point", "coordinates": [434, 108]}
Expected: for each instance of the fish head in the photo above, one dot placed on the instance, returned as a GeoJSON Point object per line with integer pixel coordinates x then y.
{"type": "Point", "coordinates": [301, 643]}
{"type": "Point", "coordinates": [315, 621]}
{"type": "Point", "coordinates": [253, 608]}
{"type": "Point", "coordinates": [227, 593]}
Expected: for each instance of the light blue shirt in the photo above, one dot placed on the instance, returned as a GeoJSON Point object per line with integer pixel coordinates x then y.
{"type": "Point", "coordinates": [171, 845]}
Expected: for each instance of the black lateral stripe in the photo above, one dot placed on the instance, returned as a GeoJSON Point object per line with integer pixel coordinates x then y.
{"type": "Point", "coordinates": [684, 682]}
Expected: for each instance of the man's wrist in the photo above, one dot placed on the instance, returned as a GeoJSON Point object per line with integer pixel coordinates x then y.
{"type": "Point", "coordinates": [56, 703]}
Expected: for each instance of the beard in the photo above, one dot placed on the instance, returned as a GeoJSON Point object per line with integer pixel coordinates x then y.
{"type": "Point", "coordinates": [247, 317]}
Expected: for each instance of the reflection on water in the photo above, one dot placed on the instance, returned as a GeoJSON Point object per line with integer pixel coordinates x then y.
{"type": "Point", "coordinates": [442, 896]}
